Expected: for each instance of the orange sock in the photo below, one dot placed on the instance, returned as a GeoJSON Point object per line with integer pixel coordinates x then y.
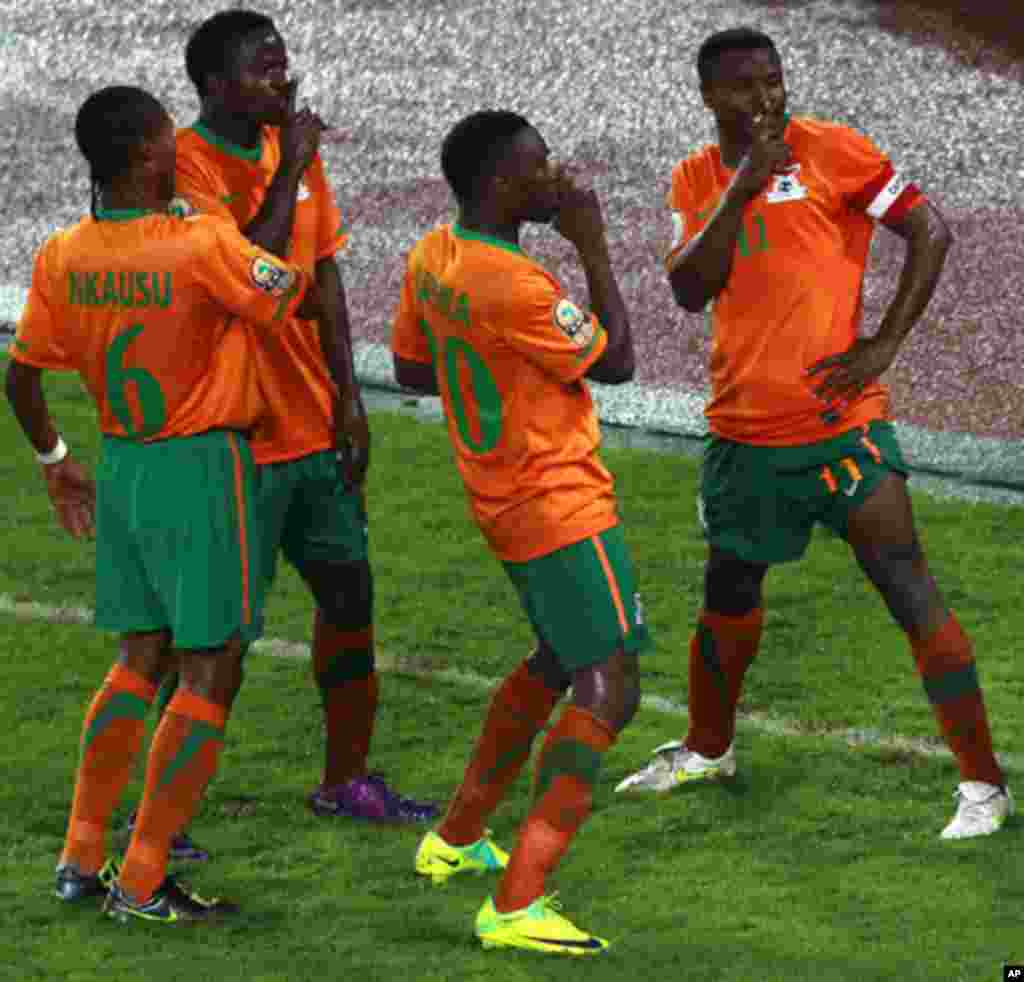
{"type": "Point", "coordinates": [567, 770]}
{"type": "Point", "coordinates": [945, 662]}
{"type": "Point", "coordinates": [519, 709]}
{"type": "Point", "coordinates": [182, 760]}
{"type": "Point", "coordinates": [720, 654]}
{"type": "Point", "coordinates": [111, 738]}
{"type": "Point", "coordinates": [343, 666]}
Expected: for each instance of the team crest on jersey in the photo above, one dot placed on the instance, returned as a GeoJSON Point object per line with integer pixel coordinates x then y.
{"type": "Point", "coordinates": [573, 323]}
{"type": "Point", "coordinates": [786, 187]}
{"type": "Point", "coordinates": [270, 277]}
{"type": "Point", "coordinates": [181, 208]}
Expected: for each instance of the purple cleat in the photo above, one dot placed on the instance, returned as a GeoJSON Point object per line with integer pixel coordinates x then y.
{"type": "Point", "coordinates": [371, 799]}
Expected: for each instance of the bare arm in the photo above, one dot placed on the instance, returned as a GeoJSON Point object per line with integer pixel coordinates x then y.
{"type": "Point", "coordinates": [68, 484]}
{"type": "Point", "coordinates": [580, 221]}
{"type": "Point", "coordinates": [351, 427]}
{"type": "Point", "coordinates": [271, 226]}
{"type": "Point", "coordinates": [928, 241]}
{"type": "Point", "coordinates": [701, 271]}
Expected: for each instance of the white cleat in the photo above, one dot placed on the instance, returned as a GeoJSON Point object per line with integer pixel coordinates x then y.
{"type": "Point", "coordinates": [674, 765]}
{"type": "Point", "coordinates": [982, 810]}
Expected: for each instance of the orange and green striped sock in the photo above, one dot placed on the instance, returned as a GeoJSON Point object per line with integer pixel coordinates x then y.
{"type": "Point", "coordinates": [111, 739]}
{"type": "Point", "coordinates": [182, 760]}
{"type": "Point", "coordinates": [945, 662]}
{"type": "Point", "coordinates": [345, 672]}
{"type": "Point", "coordinates": [721, 651]}
{"type": "Point", "coordinates": [519, 709]}
{"type": "Point", "coordinates": [567, 770]}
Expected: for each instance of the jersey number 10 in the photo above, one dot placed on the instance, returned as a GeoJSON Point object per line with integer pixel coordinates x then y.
{"type": "Point", "coordinates": [485, 390]}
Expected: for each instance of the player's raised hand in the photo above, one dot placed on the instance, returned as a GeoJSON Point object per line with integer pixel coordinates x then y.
{"type": "Point", "coordinates": [352, 439]}
{"type": "Point", "coordinates": [73, 494]}
{"type": "Point", "coordinates": [300, 135]}
{"type": "Point", "coordinates": [579, 218]}
{"type": "Point", "coordinates": [769, 154]}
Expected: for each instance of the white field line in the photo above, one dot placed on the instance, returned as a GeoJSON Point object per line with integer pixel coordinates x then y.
{"type": "Point", "coordinates": [424, 668]}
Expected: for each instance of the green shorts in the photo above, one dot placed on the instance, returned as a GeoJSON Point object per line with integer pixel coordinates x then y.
{"type": "Point", "coordinates": [177, 543]}
{"type": "Point", "coordinates": [761, 503]}
{"type": "Point", "coordinates": [582, 600]}
{"type": "Point", "coordinates": [307, 513]}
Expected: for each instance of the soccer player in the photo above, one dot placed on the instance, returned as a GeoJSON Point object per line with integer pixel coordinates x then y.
{"type": "Point", "coordinates": [254, 160]}
{"type": "Point", "coordinates": [145, 306]}
{"type": "Point", "coordinates": [497, 337]}
{"type": "Point", "coordinates": [773, 225]}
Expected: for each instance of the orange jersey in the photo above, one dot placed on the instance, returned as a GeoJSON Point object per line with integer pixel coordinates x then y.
{"type": "Point", "coordinates": [510, 350]}
{"type": "Point", "coordinates": [220, 178]}
{"type": "Point", "coordinates": [146, 308]}
{"type": "Point", "coordinates": [794, 294]}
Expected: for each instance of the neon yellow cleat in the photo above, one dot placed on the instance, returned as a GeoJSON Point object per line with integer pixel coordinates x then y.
{"type": "Point", "coordinates": [538, 927]}
{"type": "Point", "coordinates": [439, 860]}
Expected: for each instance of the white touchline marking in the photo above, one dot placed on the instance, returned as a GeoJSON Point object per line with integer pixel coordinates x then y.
{"type": "Point", "coordinates": [422, 668]}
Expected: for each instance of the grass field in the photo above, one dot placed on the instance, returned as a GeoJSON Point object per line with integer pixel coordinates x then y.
{"type": "Point", "coordinates": [821, 862]}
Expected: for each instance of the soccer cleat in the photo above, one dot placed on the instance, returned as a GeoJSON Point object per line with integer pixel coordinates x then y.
{"type": "Point", "coordinates": [183, 848]}
{"type": "Point", "coordinates": [538, 927]}
{"type": "Point", "coordinates": [170, 904]}
{"type": "Point", "coordinates": [440, 860]}
{"type": "Point", "coordinates": [981, 810]}
{"type": "Point", "coordinates": [72, 886]}
{"type": "Point", "coordinates": [369, 798]}
{"type": "Point", "coordinates": [674, 765]}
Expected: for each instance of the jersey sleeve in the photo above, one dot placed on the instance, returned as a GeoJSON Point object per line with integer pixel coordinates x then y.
{"type": "Point", "coordinates": [245, 279]}
{"type": "Point", "coordinates": [544, 325]}
{"type": "Point", "coordinates": [408, 339]}
{"type": "Point", "coordinates": [37, 340]}
{"type": "Point", "coordinates": [199, 189]}
{"type": "Point", "coordinates": [867, 180]}
{"type": "Point", "coordinates": [332, 234]}
{"type": "Point", "coordinates": [683, 212]}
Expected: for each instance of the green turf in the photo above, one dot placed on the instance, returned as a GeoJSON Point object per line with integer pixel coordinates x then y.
{"type": "Point", "coordinates": [821, 862]}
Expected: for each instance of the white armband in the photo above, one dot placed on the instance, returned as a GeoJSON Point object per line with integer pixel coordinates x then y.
{"type": "Point", "coordinates": [56, 455]}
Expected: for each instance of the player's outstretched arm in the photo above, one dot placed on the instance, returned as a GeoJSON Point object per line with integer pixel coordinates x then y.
{"type": "Point", "coordinates": [71, 490]}
{"type": "Point", "coordinates": [579, 220]}
{"type": "Point", "coordinates": [701, 271]}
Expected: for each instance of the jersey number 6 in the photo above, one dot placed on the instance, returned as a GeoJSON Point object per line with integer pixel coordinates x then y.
{"type": "Point", "coordinates": [150, 395]}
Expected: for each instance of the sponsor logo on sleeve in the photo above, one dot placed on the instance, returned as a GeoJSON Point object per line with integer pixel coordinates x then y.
{"type": "Point", "coordinates": [270, 277]}
{"type": "Point", "coordinates": [573, 323]}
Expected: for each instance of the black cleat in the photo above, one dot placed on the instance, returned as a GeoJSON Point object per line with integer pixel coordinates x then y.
{"type": "Point", "coordinates": [170, 904]}
{"type": "Point", "coordinates": [72, 886]}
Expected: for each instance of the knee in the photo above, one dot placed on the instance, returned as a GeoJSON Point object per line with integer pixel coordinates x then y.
{"type": "Point", "coordinates": [343, 592]}
{"type": "Point", "coordinates": [215, 674]}
{"type": "Point", "coordinates": [611, 690]}
{"type": "Point", "coordinates": [732, 586]}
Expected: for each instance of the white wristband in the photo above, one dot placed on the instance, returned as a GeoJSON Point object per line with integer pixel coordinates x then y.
{"type": "Point", "coordinates": [56, 455]}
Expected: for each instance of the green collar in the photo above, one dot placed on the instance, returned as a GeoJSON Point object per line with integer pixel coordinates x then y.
{"type": "Point", "coordinates": [465, 233]}
{"type": "Point", "coordinates": [121, 214]}
{"type": "Point", "coordinates": [232, 149]}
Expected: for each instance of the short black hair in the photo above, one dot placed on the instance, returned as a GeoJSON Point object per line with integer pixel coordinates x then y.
{"type": "Point", "coordinates": [110, 127]}
{"type": "Point", "coordinates": [213, 45]}
{"type": "Point", "coordinates": [734, 39]}
{"type": "Point", "coordinates": [473, 147]}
